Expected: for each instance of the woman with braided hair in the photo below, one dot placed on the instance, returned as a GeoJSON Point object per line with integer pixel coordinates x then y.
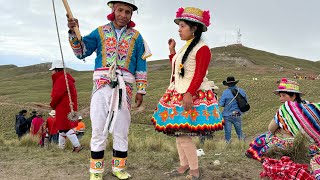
{"type": "Point", "coordinates": [188, 107]}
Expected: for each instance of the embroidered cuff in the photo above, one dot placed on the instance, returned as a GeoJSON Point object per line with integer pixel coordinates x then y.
{"type": "Point", "coordinates": [141, 87]}
{"type": "Point", "coordinates": [75, 45]}
{"type": "Point", "coordinates": [96, 165]}
{"type": "Point", "coordinates": [119, 162]}
{"type": "Point", "coordinates": [141, 81]}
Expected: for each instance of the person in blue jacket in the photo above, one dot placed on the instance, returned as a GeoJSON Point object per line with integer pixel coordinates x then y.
{"type": "Point", "coordinates": [231, 112]}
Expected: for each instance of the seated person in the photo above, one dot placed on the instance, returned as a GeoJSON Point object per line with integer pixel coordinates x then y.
{"type": "Point", "coordinates": [293, 117]}
{"type": "Point", "coordinates": [80, 128]}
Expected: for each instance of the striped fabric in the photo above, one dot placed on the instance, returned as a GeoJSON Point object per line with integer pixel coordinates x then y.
{"type": "Point", "coordinates": [296, 117]}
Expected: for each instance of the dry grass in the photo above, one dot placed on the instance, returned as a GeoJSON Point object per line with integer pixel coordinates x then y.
{"type": "Point", "coordinates": [298, 152]}
{"type": "Point", "coordinates": [29, 141]}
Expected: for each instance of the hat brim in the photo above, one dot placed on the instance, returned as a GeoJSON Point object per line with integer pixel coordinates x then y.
{"type": "Point", "coordinates": [277, 92]}
{"type": "Point", "coordinates": [228, 83]}
{"type": "Point", "coordinates": [204, 27]}
{"type": "Point", "coordinates": [214, 87]}
{"type": "Point", "coordinates": [134, 7]}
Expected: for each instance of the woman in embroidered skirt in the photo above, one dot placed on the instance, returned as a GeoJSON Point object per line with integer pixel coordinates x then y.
{"type": "Point", "coordinates": [293, 117]}
{"type": "Point", "coordinates": [188, 107]}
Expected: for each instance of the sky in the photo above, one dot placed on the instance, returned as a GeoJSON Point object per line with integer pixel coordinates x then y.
{"type": "Point", "coordinates": [288, 27]}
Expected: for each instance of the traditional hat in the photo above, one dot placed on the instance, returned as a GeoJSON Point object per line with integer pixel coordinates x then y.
{"type": "Point", "coordinates": [287, 85]}
{"type": "Point", "coordinates": [195, 15]}
{"type": "Point", "coordinates": [56, 64]}
{"type": "Point", "coordinates": [129, 2]}
{"type": "Point", "coordinates": [80, 117]}
{"type": "Point", "coordinates": [230, 81]}
{"type": "Point", "coordinates": [23, 111]}
{"type": "Point", "coordinates": [212, 85]}
{"type": "Point", "coordinates": [52, 113]}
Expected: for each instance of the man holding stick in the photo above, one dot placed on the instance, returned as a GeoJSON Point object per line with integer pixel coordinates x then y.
{"type": "Point", "coordinates": [120, 62]}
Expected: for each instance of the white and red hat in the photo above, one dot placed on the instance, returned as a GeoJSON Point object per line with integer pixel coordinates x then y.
{"type": "Point", "coordinates": [129, 2]}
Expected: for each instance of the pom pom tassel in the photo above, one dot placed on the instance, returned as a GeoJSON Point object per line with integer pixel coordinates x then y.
{"type": "Point", "coordinates": [111, 17]}
{"type": "Point", "coordinates": [131, 24]}
{"type": "Point", "coordinates": [206, 18]}
{"type": "Point", "coordinates": [179, 12]}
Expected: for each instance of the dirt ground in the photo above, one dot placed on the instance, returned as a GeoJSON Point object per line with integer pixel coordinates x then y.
{"type": "Point", "coordinates": [34, 163]}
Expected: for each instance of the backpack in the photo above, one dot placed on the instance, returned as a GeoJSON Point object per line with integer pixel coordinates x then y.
{"type": "Point", "coordinates": [242, 102]}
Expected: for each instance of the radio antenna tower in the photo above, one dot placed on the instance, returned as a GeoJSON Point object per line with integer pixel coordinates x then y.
{"type": "Point", "coordinates": [239, 37]}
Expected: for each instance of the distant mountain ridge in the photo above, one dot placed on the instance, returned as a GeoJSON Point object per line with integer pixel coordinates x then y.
{"type": "Point", "coordinates": [235, 55]}
{"type": "Point", "coordinates": [13, 70]}
{"type": "Point", "coordinates": [232, 55]}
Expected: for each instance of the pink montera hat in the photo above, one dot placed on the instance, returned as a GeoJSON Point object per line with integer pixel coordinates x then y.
{"type": "Point", "coordinates": [287, 85]}
{"type": "Point", "coordinates": [195, 15]}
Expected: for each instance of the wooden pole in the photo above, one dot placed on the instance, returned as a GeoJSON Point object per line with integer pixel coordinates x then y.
{"type": "Point", "coordinates": [75, 29]}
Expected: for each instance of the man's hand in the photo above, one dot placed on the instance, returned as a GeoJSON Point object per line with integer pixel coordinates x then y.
{"type": "Point", "coordinates": [187, 101]}
{"type": "Point", "coordinates": [72, 23]}
{"type": "Point", "coordinates": [138, 99]}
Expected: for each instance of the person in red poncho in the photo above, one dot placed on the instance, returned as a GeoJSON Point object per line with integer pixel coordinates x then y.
{"type": "Point", "coordinates": [38, 127]}
{"type": "Point", "coordinates": [60, 103]}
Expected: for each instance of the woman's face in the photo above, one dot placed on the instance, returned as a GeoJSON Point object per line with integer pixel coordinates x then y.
{"type": "Point", "coordinates": [185, 31]}
{"type": "Point", "coordinates": [283, 97]}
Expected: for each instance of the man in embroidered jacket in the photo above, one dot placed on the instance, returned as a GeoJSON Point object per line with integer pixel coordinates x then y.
{"type": "Point", "coordinates": [120, 61]}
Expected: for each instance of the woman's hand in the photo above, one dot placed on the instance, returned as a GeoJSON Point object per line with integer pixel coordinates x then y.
{"type": "Point", "coordinates": [187, 101]}
{"type": "Point", "coordinates": [72, 23]}
{"type": "Point", "coordinates": [172, 46]}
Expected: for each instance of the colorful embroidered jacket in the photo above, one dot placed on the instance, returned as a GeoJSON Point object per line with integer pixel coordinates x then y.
{"type": "Point", "coordinates": [130, 51]}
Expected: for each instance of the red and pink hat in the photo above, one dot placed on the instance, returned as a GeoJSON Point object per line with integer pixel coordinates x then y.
{"type": "Point", "coordinates": [287, 85]}
{"type": "Point", "coordinates": [195, 15]}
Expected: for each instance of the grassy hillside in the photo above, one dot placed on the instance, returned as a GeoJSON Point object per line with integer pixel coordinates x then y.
{"type": "Point", "coordinates": [29, 88]}
{"type": "Point", "coordinates": [263, 58]}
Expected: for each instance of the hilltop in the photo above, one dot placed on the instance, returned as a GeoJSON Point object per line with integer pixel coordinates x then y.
{"type": "Point", "coordinates": [235, 55]}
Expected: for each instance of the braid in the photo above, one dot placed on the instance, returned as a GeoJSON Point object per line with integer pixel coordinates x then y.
{"type": "Point", "coordinates": [298, 97]}
{"type": "Point", "coordinates": [197, 37]}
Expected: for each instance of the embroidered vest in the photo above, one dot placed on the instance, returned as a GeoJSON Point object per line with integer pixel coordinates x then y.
{"type": "Point", "coordinates": [182, 84]}
{"type": "Point", "coordinates": [117, 50]}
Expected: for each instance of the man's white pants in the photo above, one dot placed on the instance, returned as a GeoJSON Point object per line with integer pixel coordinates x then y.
{"type": "Point", "coordinates": [100, 102]}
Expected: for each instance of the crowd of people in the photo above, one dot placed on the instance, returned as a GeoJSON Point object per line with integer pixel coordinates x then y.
{"type": "Point", "coordinates": [43, 128]}
{"type": "Point", "coordinates": [189, 107]}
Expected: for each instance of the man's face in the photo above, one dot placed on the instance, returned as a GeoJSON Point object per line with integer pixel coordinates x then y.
{"type": "Point", "coordinates": [123, 14]}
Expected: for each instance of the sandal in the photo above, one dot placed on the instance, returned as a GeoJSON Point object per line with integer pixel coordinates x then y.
{"type": "Point", "coordinates": [192, 177]}
{"type": "Point", "coordinates": [175, 172]}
